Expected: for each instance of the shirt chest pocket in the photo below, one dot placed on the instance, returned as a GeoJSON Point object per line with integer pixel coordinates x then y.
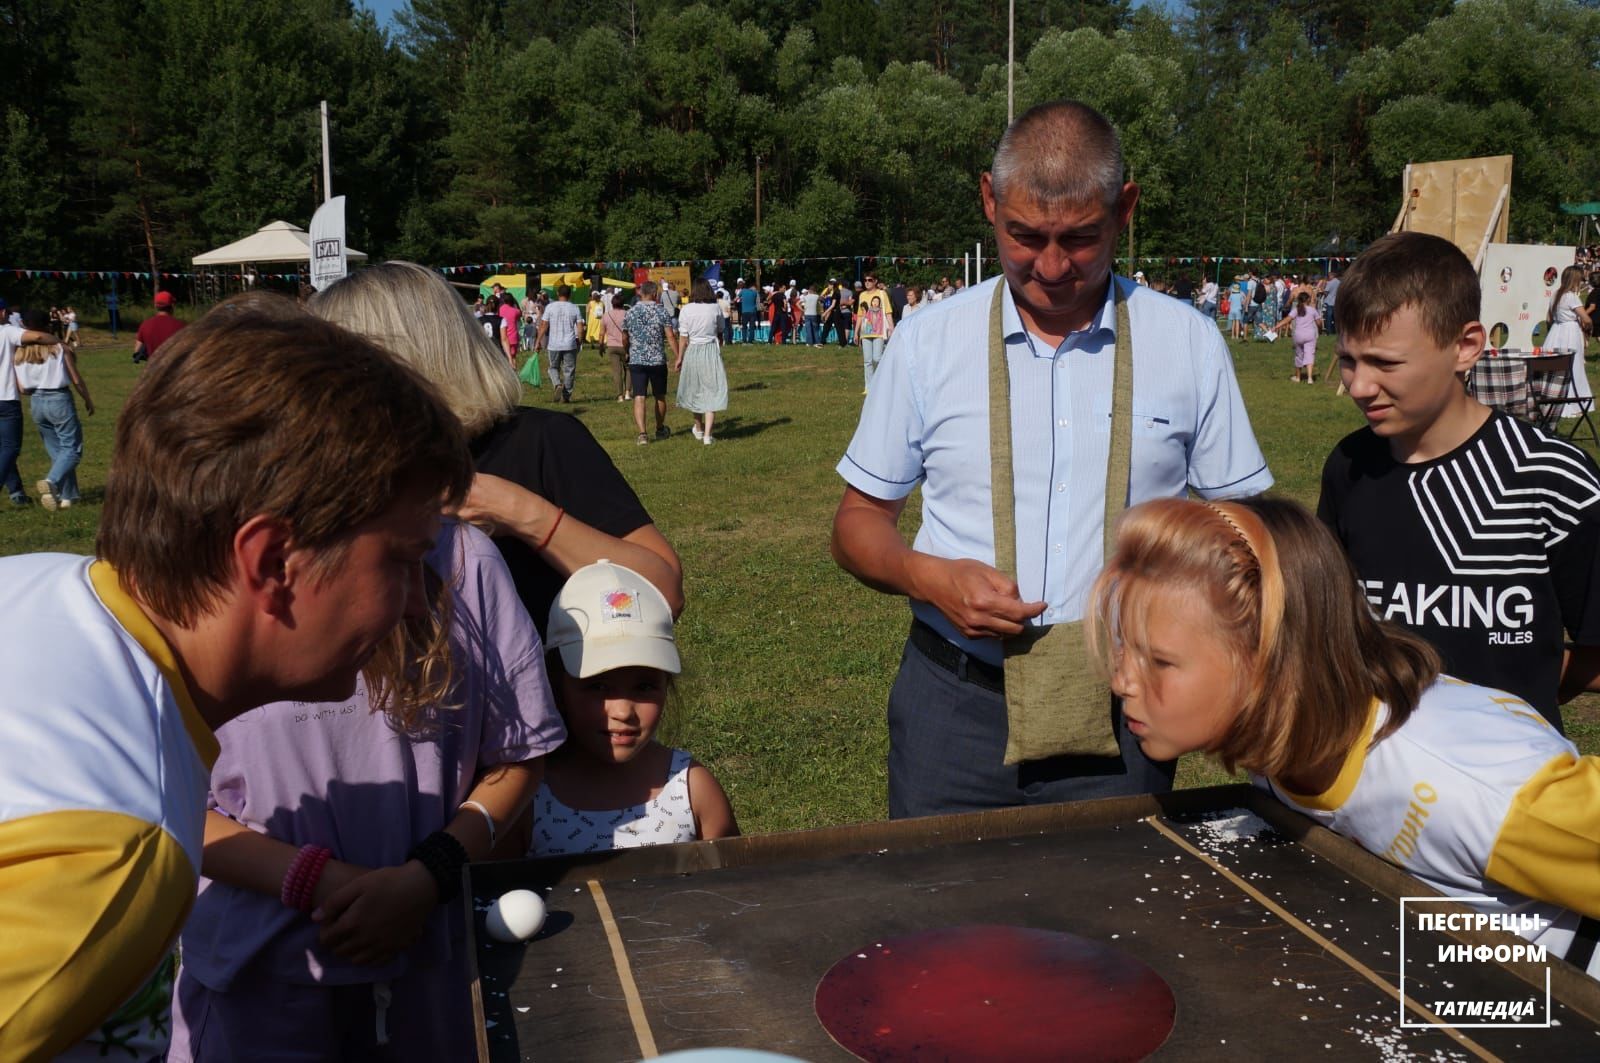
{"type": "Point", "coordinates": [1160, 442]}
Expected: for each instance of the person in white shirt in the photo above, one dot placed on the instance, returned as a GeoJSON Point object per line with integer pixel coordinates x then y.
{"type": "Point", "coordinates": [216, 590]}
{"type": "Point", "coordinates": [1201, 616]}
{"type": "Point", "coordinates": [12, 336]}
{"type": "Point", "coordinates": [702, 378]}
{"type": "Point", "coordinates": [44, 372]}
{"type": "Point", "coordinates": [725, 305]}
{"type": "Point", "coordinates": [811, 316]}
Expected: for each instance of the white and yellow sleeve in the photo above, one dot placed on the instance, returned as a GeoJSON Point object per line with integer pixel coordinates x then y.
{"type": "Point", "coordinates": [90, 902]}
{"type": "Point", "coordinates": [1548, 847]}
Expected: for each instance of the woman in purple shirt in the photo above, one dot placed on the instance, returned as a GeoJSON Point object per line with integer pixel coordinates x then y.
{"type": "Point", "coordinates": [327, 925]}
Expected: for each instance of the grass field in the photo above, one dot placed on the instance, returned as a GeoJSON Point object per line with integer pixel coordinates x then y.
{"type": "Point", "coordinates": [788, 659]}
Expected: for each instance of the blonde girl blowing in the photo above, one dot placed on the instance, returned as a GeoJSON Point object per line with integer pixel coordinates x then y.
{"type": "Point", "coordinates": [612, 785]}
{"type": "Point", "coordinates": [1239, 629]}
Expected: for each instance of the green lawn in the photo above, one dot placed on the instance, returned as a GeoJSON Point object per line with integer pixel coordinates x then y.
{"type": "Point", "coordinates": [788, 659]}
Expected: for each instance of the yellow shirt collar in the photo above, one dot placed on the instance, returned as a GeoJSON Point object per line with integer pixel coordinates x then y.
{"type": "Point", "coordinates": [1344, 784]}
{"type": "Point", "coordinates": [127, 612]}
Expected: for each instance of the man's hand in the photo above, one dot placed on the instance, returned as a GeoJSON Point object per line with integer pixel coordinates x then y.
{"type": "Point", "coordinates": [378, 915]}
{"type": "Point", "coordinates": [981, 601]}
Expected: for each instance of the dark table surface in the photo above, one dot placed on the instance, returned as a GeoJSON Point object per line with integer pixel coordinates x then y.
{"type": "Point", "coordinates": [1279, 939]}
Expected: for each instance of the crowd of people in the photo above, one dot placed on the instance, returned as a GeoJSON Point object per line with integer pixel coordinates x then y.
{"type": "Point", "coordinates": [357, 617]}
{"type": "Point", "coordinates": [862, 313]}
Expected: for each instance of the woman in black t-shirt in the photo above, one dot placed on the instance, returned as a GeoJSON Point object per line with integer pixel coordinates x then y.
{"type": "Point", "coordinates": [546, 490]}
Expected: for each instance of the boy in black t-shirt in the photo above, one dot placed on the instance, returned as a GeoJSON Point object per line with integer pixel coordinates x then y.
{"type": "Point", "coordinates": [1475, 530]}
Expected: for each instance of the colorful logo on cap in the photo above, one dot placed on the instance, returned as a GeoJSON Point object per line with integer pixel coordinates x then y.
{"type": "Point", "coordinates": [621, 604]}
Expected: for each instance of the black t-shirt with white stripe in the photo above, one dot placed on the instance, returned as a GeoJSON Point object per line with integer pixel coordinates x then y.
{"type": "Point", "coordinates": [1489, 552]}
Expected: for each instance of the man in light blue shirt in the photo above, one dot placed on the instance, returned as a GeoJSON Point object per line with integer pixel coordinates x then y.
{"type": "Point", "coordinates": [1057, 200]}
{"type": "Point", "coordinates": [562, 332]}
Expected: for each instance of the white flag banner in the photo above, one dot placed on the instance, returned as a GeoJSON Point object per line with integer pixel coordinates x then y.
{"type": "Point", "coordinates": [327, 244]}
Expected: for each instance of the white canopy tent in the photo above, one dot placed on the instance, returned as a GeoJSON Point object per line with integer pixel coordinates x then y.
{"type": "Point", "coordinates": [279, 241]}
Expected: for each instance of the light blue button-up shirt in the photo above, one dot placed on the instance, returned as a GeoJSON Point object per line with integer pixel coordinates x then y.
{"type": "Point", "coordinates": [926, 421]}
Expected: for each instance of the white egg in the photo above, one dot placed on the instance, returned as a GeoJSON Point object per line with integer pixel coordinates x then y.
{"type": "Point", "coordinates": [515, 916]}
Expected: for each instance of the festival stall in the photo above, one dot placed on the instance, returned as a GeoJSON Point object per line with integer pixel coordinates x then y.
{"type": "Point", "coordinates": [275, 242]}
{"type": "Point", "coordinates": [515, 283]}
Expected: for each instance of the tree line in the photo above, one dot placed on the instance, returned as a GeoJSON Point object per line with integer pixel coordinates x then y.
{"type": "Point", "coordinates": [141, 132]}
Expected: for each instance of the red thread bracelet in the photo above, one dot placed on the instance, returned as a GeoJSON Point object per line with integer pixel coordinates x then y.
{"type": "Point", "coordinates": [551, 534]}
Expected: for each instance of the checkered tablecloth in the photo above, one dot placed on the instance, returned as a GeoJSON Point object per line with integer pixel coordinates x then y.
{"type": "Point", "coordinates": [1502, 380]}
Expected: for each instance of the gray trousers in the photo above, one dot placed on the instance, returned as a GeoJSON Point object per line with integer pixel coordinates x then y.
{"type": "Point", "coordinates": [563, 368]}
{"type": "Point", "coordinates": [947, 742]}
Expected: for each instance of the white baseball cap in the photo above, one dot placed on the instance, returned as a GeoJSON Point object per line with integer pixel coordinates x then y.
{"type": "Point", "coordinates": [608, 617]}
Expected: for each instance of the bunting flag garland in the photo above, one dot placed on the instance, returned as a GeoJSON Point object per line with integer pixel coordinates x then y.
{"type": "Point", "coordinates": [485, 268]}
{"type": "Point", "coordinates": [129, 275]}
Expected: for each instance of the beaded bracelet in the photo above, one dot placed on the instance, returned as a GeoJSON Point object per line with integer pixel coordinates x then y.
{"type": "Point", "coordinates": [444, 857]}
{"type": "Point", "coordinates": [300, 880]}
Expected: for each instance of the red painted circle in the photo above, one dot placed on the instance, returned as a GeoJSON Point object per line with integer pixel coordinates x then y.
{"type": "Point", "coordinates": [994, 993]}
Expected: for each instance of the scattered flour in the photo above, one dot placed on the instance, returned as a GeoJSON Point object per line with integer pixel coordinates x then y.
{"type": "Point", "coordinates": [1232, 825]}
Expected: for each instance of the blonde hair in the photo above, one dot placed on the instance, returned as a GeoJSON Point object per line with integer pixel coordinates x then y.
{"type": "Point", "coordinates": [1308, 654]}
{"type": "Point", "coordinates": [36, 353]}
{"type": "Point", "coordinates": [1571, 280]}
{"type": "Point", "coordinates": [411, 312]}
{"type": "Point", "coordinates": [412, 674]}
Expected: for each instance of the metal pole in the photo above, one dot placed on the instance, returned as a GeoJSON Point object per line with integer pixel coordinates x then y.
{"type": "Point", "coordinates": [977, 259]}
{"type": "Point", "coordinates": [758, 224]}
{"type": "Point", "coordinates": [966, 269]}
{"type": "Point", "coordinates": [327, 161]}
{"type": "Point", "coordinates": [1011, 60]}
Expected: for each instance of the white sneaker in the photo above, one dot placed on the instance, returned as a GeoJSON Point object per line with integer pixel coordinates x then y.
{"type": "Point", "coordinates": [695, 428]}
{"type": "Point", "coordinates": [706, 440]}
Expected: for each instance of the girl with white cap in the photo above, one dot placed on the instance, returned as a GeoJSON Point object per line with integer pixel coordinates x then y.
{"type": "Point", "coordinates": [610, 655]}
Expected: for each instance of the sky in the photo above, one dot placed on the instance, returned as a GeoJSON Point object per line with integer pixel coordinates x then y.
{"type": "Point", "coordinates": [384, 9]}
